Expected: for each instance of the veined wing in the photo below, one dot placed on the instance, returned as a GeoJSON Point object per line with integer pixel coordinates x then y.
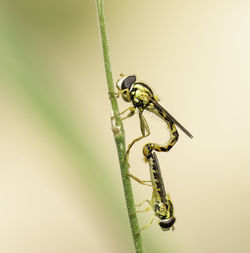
{"type": "Point", "coordinates": [159, 109]}
{"type": "Point", "coordinates": [158, 177]}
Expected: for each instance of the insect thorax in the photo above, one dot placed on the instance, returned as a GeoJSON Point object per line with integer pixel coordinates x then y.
{"type": "Point", "coordinates": [160, 210]}
{"type": "Point", "coordinates": [141, 95]}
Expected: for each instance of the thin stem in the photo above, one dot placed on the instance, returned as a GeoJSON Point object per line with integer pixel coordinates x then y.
{"type": "Point", "coordinates": [119, 135]}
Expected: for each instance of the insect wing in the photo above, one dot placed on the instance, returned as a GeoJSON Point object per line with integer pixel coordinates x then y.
{"type": "Point", "coordinates": [157, 170]}
{"type": "Point", "coordinates": [173, 119]}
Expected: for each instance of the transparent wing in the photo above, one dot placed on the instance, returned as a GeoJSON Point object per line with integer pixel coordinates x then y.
{"type": "Point", "coordinates": [157, 169]}
{"type": "Point", "coordinates": [173, 119]}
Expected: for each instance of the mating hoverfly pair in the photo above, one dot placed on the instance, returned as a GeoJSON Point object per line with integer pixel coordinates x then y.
{"type": "Point", "coordinates": [143, 98]}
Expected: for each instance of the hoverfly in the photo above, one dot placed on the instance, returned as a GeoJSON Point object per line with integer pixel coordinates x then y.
{"type": "Point", "coordinates": [160, 201]}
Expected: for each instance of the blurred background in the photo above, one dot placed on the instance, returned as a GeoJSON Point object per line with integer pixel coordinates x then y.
{"type": "Point", "coordinates": [60, 185]}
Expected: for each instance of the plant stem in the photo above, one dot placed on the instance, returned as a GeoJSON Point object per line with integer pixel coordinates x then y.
{"type": "Point", "coordinates": [119, 134]}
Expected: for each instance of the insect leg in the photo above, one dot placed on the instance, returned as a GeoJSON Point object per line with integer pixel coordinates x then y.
{"type": "Point", "coordinates": [149, 147]}
{"type": "Point", "coordinates": [144, 201]}
{"type": "Point", "coordinates": [146, 209]}
{"type": "Point", "coordinates": [130, 114]}
{"type": "Point", "coordinates": [144, 182]}
{"type": "Point", "coordinates": [120, 92]}
{"type": "Point", "coordinates": [116, 94]}
{"type": "Point", "coordinates": [149, 223]}
{"type": "Point", "coordinates": [144, 129]}
{"type": "Point", "coordinates": [149, 208]}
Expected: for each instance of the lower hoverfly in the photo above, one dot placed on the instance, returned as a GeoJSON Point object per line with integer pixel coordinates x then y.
{"type": "Point", "coordinates": [160, 202]}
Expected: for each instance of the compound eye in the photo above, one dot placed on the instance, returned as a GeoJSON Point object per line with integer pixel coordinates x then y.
{"type": "Point", "coordinates": [167, 224]}
{"type": "Point", "coordinates": [127, 82]}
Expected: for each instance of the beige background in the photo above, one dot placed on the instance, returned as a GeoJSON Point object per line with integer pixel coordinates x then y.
{"type": "Point", "coordinates": [194, 54]}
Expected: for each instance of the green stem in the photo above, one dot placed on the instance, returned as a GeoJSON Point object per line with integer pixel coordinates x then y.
{"type": "Point", "coordinates": [119, 135]}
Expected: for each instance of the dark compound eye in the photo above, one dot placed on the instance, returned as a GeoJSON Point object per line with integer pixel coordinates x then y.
{"type": "Point", "coordinates": [167, 224]}
{"type": "Point", "coordinates": [127, 82]}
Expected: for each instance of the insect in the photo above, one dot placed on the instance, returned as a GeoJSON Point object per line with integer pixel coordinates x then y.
{"type": "Point", "coordinates": [160, 201]}
{"type": "Point", "coordinates": [143, 98]}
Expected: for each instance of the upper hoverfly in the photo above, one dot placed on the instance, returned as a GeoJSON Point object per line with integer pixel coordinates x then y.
{"type": "Point", "coordinates": [143, 98]}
